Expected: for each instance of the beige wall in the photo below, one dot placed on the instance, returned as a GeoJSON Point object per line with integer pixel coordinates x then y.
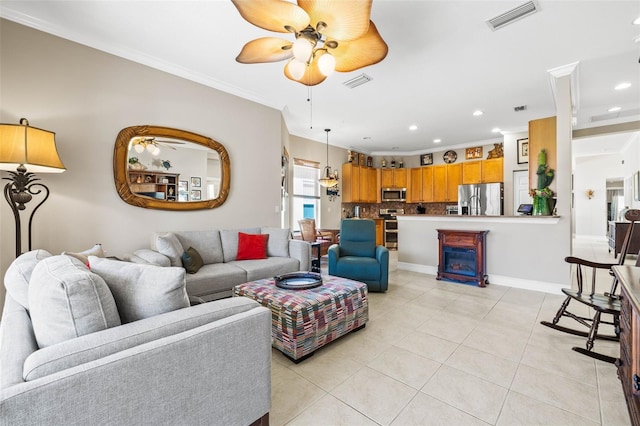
{"type": "Point", "coordinates": [87, 96]}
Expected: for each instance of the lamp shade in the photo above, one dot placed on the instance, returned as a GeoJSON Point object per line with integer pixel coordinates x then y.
{"type": "Point", "coordinates": [21, 144]}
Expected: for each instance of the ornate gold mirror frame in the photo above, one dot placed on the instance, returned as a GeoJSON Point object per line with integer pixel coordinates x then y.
{"type": "Point", "coordinates": [121, 168]}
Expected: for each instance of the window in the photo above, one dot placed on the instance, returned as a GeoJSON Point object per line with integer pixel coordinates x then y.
{"type": "Point", "coordinates": [306, 190]}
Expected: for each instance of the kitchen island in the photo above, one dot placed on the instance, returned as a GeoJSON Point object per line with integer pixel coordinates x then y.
{"type": "Point", "coordinates": [521, 251]}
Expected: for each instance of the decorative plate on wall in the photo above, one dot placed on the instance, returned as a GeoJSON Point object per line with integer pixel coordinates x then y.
{"type": "Point", "coordinates": [450, 157]}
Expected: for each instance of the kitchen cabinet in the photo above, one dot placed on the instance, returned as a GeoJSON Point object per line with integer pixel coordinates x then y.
{"type": "Point", "coordinates": [446, 178]}
{"type": "Point", "coordinates": [359, 184]}
{"type": "Point", "coordinates": [493, 170]}
{"type": "Point", "coordinates": [368, 185]}
{"type": "Point", "coordinates": [393, 178]}
{"type": "Point", "coordinates": [420, 185]}
{"type": "Point", "coordinates": [483, 171]}
{"type": "Point", "coordinates": [379, 231]}
{"type": "Point", "coordinates": [154, 184]}
{"type": "Point", "coordinates": [472, 172]}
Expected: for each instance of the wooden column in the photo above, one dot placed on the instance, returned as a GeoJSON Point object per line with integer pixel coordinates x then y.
{"type": "Point", "coordinates": [542, 135]}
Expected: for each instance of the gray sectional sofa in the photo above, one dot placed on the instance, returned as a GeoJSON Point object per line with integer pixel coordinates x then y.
{"type": "Point", "coordinates": [219, 251]}
{"type": "Point", "coordinates": [120, 345]}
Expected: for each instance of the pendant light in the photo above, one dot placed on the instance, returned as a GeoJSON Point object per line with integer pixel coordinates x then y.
{"type": "Point", "coordinates": [330, 178]}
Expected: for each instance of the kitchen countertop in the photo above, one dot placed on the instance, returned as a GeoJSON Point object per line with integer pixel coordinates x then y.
{"type": "Point", "coordinates": [459, 218]}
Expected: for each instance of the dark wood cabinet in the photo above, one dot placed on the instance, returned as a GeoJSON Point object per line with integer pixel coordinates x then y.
{"type": "Point", "coordinates": [462, 256]}
{"type": "Point", "coordinates": [629, 361]}
{"type": "Point", "coordinates": [617, 231]}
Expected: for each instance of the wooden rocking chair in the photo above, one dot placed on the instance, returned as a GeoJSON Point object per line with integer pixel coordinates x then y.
{"type": "Point", "coordinates": [602, 303]}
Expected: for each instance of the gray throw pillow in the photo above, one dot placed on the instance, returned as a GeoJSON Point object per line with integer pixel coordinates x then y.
{"type": "Point", "coordinates": [278, 244]}
{"type": "Point", "coordinates": [191, 260]}
{"type": "Point", "coordinates": [168, 244]}
{"type": "Point", "coordinates": [16, 280]}
{"type": "Point", "coordinates": [67, 301]}
{"type": "Point", "coordinates": [142, 291]}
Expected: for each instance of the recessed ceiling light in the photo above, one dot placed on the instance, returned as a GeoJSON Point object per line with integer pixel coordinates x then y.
{"type": "Point", "coordinates": [614, 109]}
{"type": "Point", "coordinates": [636, 21]}
{"type": "Point", "coordinates": [622, 86]}
{"type": "Point", "coordinates": [477, 112]}
{"type": "Point", "coordinates": [495, 130]}
{"type": "Point", "coordinates": [413, 127]}
{"type": "Point", "coordinates": [437, 140]}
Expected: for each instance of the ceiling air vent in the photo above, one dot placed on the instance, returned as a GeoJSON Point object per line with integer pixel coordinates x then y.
{"type": "Point", "coordinates": [357, 81]}
{"type": "Point", "coordinates": [512, 15]}
{"type": "Point", "coordinates": [520, 108]}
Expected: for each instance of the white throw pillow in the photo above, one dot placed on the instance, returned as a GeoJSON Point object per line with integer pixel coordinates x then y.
{"type": "Point", "coordinates": [83, 256]}
{"type": "Point", "coordinates": [142, 291]}
{"type": "Point", "coordinates": [16, 280]}
{"type": "Point", "coordinates": [278, 244]}
{"type": "Point", "coordinates": [67, 300]}
{"type": "Point", "coordinates": [168, 244]}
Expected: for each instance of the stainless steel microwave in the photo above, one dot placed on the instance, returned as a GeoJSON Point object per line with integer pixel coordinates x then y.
{"type": "Point", "coordinates": [394, 194]}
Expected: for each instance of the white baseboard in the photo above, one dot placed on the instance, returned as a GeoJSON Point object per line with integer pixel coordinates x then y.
{"type": "Point", "coordinates": [545, 287]}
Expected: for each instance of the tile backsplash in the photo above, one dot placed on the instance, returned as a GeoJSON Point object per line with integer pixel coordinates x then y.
{"type": "Point", "coordinates": [372, 210]}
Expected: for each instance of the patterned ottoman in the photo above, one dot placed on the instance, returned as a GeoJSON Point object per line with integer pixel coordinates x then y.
{"type": "Point", "coordinates": [305, 320]}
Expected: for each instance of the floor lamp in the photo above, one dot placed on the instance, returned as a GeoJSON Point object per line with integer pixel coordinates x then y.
{"type": "Point", "coordinates": [23, 147]}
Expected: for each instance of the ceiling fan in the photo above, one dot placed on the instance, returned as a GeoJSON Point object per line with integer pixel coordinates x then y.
{"type": "Point", "coordinates": [329, 35]}
{"type": "Point", "coordinates": [139, 144]}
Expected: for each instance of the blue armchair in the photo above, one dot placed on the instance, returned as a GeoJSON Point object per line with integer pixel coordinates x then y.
{"type": "Point", "coordinates": [357, 257]}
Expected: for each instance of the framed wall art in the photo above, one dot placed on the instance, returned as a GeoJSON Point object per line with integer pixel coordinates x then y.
{"type": "Point", "coordinates": [523, 151]}
{"type": "Point", "coordinates": [196, 182]}
{"type": "Point", "coordinates": [426, 159]}
{"type": "Point", "coordinates": [473, 153]}
{"type": "Point", "coordinates": [196, 195]}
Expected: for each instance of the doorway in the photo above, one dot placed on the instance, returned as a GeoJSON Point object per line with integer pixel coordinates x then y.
{"type": "Point", "coordinates": [520, 189]}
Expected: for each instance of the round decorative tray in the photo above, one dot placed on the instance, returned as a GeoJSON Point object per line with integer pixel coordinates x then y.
{"type": "Point", "coordinates": [298, 280]}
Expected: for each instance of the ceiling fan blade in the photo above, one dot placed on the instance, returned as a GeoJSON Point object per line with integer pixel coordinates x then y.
{"type": "Point", "coordinates": [272, 15]}
{"type": "Point", "coordinates": [354, 54]}
{"type": "Point", "coordinates": [265, 49]}
{"type": "Point", "coordinates": [311, 77]}
{"type": "Point", "coordinates": [345, 19]}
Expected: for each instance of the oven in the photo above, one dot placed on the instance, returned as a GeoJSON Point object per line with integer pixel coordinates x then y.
{"type": "Point", "coordinates": [390, 226]}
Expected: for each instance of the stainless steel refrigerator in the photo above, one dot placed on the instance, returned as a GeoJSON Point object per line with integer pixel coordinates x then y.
{"type": "Point", "coordinates": [482, 199]}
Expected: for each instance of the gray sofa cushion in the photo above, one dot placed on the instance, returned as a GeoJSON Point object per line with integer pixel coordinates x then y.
{"type": "Point", "coordinates": [278, 244]}
{"type": "Point", "coordinates": [168, 244]}
{"type": "Point", "coordinates": [206, 242]}
{"type": "Point", "coordinates": [229, 239]}
{"type": "Point", "coordinates": [142, 291]}
{"type": "Point", "coordinates": [88, 348]}
{"type": "Point", "coordinates": [67, 300]}
{"type": "Point", "coordinates": [147, 256]}
{"type": "Point", "coordinates": [214, 278]}
{"type": "Point", "coordinates": [266, 268]}
{"type": "Point", "coordinates": [16, 279]}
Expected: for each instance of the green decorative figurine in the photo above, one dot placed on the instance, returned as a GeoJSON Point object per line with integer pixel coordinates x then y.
{"type": "Point", "coordinates": [542, 193]}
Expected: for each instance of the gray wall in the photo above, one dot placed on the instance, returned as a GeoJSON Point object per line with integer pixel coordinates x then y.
{"type": "Point", "coordinates": [86, 97]}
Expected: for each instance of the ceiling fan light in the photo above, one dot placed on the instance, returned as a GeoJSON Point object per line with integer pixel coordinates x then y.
{"type": "Point", "coordinates": [296, 69]}
{"type": "Point", "coordinates": [302, 49]}
{"type": "Point", "coordinates": [327, 64]}
{"type": "Point", "coordinates": [139, 148]}
{"type": "Point", "coordinates": [151, 147]}
{"type": "Point", "coordinates": [156, 151]}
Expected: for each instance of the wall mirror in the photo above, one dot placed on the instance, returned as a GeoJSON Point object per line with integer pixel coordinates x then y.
{"type": "Point", "coordinates": [170, 169]}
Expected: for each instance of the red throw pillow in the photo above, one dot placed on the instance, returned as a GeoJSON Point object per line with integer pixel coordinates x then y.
{"type": "Point", "coordinates": [252, 246]}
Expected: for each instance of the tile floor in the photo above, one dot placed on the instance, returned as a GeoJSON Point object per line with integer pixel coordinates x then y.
{"type": "Point", "coordinates": [436, 352]}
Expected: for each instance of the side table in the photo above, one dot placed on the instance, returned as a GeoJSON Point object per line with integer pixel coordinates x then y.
{"type": "Point", "coordinates": [315, 262]}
